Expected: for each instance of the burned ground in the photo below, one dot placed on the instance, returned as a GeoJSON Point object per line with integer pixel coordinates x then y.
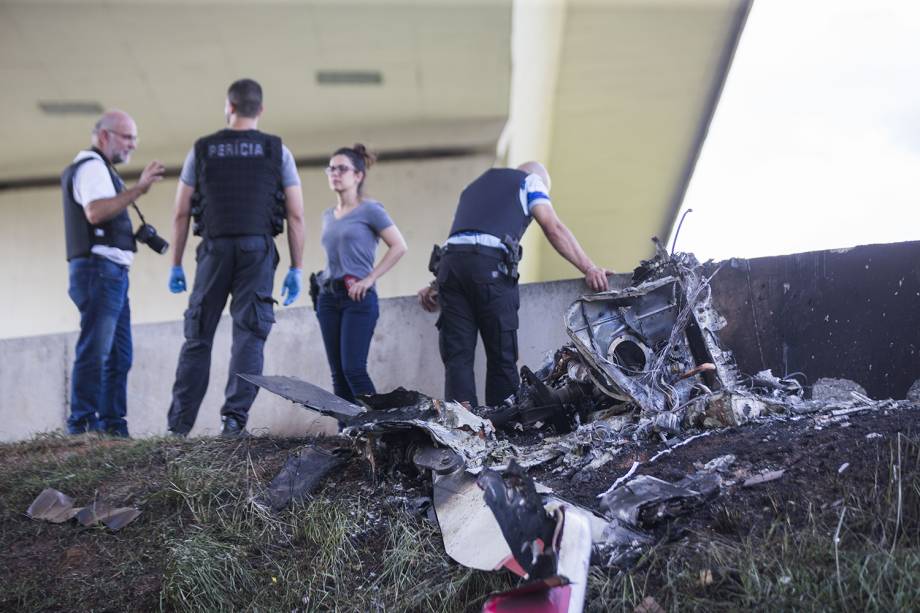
{"type": "Point", "coordinates": [359, 544]}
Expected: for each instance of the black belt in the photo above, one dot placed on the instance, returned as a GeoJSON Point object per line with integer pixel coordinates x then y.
{"type": "Point", "coordinates": [333, 285]}
{"type": "Point", "coordinates": [493, 252]}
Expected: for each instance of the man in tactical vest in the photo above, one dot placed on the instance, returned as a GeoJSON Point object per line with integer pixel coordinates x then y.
{"type": "Point", "coordinates": [476, 276]}
{"type": "Point", "coordinates": [100, 250]}
{"type": "Point", "coordinates": [239, 185]}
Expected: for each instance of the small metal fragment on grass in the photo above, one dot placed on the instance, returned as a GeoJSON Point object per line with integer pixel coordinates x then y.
{"type": "Point", "coordinates": [649, 605]}
{"type": "Point", "coordinates": [114, 519]}
{"type": "Point", "coordinates": [627, 503]}
{"type": "Point", "coordinates": [302, 474]}
{"type": "Point", "coordinates": [52, 505]}
{"type": "Point", "coordinates": [766, 477]}
{"type": "Point", "coordinates": [56, 507]}
{"type": "Point", "coordinates": [720, 464]}
{"type": "Point", "coordinates": [843, 467]}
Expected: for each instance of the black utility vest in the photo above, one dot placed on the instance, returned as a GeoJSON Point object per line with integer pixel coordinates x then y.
{"type": "Point", "coordinates": [492, 205]}
{"type": "Point", "coordinates": [82, 235]}
{"type": "Point", "coordinates": [238, 188]}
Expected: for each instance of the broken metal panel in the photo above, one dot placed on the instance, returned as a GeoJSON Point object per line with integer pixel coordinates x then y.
{"type": "Point", "coordinates": [502, 453]}
{"type": "Point", "coordinates": [644, 501]}
{"type": "Point", "coordinates": [551, 595]}
{"type": "Point", "coordinates": [596, 524]}
{"type": "Point", "coordinates": [623, 544]}
{"type": "Point", "coordinates": [766, 477]}
{"type": "Point", "coordinates": [472, 536]}
{"type": "Point", "coordinates": [563, 592]}
{"type": "Point", "coordinates": [398, 398]}
{"type": "Point", "coordinates": [302, 474]}
{"type": "Point", "coordinates": [575, 546]}
{"type": "Point", "coordinates": [306, 394]}
{"type": "Point", "coordinates": [526, 526]}
{"type": "Point", "coordinates": [627, 502]}
{"type": "Point", "coordinates": [447, 423]}
{"type": "Point", "coordinates": [551, 542]}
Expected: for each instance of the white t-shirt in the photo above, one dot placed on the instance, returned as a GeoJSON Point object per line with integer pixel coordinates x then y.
{"type": "Point", "coordinates": [533, 192]}
{"type": "Point", "coordinates": [92, 182]}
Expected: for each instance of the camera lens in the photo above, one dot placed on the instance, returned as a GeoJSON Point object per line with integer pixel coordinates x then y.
{"type": "Point", "coordinates": [147, 234]}
{"type": "Point", "coordinates": [158, 244]}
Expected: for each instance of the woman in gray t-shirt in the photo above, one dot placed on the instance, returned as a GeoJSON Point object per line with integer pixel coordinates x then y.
{"type": "Point", "coordinates": [347, 307]}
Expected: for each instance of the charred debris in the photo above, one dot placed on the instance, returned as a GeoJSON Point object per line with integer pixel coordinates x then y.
{"type": "Point", "coordinates": [644, 365]}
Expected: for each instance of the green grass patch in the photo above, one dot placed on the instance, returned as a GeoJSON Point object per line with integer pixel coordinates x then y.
{"type": "Point", "coordinates": [204, 542]}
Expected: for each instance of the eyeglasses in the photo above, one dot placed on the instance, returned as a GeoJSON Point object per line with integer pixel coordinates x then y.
{"type": "Point", "coordinates": [131, 138]}
{"type": "Point", "coordinates": [341, 169]}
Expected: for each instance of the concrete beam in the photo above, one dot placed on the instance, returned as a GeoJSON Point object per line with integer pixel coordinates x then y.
{"type": "Point", "coordinates": [537, 28]}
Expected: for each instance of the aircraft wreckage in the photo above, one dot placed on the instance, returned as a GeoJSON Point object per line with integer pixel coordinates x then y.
{"type": "Point", "coordinates": [643, 362]}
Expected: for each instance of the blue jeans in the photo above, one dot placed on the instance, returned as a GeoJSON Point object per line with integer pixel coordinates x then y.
{"type": "Point", "coordinates": [347, 327]}
{"type": "Point", "coordinates": [99, 383]}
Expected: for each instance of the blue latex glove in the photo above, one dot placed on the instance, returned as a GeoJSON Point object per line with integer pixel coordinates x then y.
{"type": "Point", "coordinates": [292, 284]}
{"type": "Point", "coordinates": [176, 279]}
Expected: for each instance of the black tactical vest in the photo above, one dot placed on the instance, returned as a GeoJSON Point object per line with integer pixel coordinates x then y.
{"type": "Point", "coordinates": [492, 205]}
{"type": "Point", "coordinates": [81, 235]}
{"type": "Point", "coordinates": [238, 189]}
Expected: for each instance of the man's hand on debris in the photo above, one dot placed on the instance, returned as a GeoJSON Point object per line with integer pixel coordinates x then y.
{"type": "Point", "coordinates": [176, 279]}
{"type": "Point", "coordinates": [291, 286]}
{"type": "Point", "coordinates": [428, 298]}
{"type": "Point", "coordinates": [596, 278]}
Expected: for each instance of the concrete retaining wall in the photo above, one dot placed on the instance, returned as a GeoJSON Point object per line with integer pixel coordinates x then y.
{"type": "Point", "coordinates": [35, 373]}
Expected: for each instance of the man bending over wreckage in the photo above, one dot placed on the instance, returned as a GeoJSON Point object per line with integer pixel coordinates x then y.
{"type": "Point", "coordinates": [476, 284]}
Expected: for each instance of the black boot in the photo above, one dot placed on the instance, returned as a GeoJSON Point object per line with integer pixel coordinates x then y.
{"type": "Point", "coordinates": [233, 428]}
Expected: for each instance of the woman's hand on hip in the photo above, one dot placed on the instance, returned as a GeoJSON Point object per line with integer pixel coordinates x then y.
{"type": "Point", "coordinates": [359, 289]}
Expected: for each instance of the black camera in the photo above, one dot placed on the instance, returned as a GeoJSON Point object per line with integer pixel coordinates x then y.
{"type": "Point", "coordinates": [147, 234]}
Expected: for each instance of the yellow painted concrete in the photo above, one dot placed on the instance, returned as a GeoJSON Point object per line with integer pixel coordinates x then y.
{"type": "Point", "coordinates": [630, 95]}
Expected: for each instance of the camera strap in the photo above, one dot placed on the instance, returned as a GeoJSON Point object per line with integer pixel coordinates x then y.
{"type": "Point", "coordinates": [139, 214]}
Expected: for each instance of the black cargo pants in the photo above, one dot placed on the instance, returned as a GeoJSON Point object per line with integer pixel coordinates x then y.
{"type": "Point", "coordinates": [242, 267]}
{"type": "Point", "coordinates": [477, 298]}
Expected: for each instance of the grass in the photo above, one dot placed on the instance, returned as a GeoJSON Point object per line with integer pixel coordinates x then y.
{"type": "Point", "coordinates": [862, 554]}
{"type": "Point", "coordinates": [204, 542]}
